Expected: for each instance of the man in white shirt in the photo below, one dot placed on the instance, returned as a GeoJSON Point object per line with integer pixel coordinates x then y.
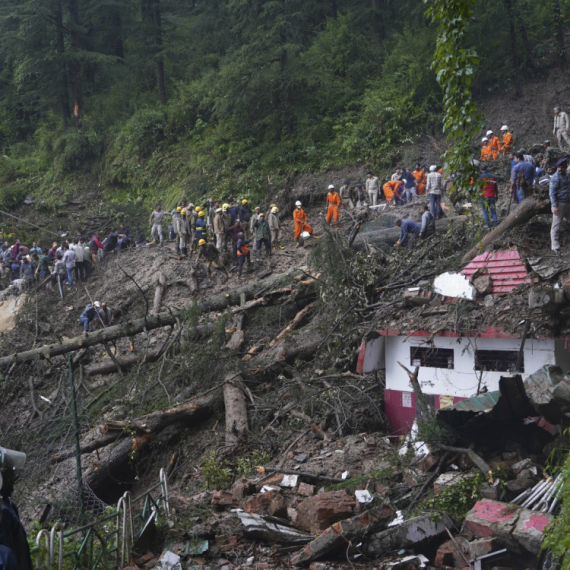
{"type": "Point", "coordinates": [372, 188]}
{"type": "Point", "coordinates": [561, 126]}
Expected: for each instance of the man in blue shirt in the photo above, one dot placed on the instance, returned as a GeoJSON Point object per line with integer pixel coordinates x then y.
{"type": "Point", "coordinates": [521, 174]}
{"type": "Point", "coordinates": [410, 185]}
{"type": "Point", "coordinates": [560, 201]}
{"type": "Point", "coordinates": [409, 231]}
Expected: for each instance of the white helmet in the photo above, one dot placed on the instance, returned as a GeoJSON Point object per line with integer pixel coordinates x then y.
{"type": "Point", "coordinates": [433, 168]}
{"type": "Point", "coordinates": [504, 128]}
{"type": "Point", "coordinates": [484, 139]}
{"type": "Point", "coordinates": [298, 203]}
{"type": "Point", "coordinates": [97, 304]}
{"type": "Point", "coordinates": [331, 187]}
{"type": "Point", "coordinates": [489, 132]}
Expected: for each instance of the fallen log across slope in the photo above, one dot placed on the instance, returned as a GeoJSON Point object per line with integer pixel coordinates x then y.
{"type": "Point", "coordinates": [390, 236]}
{"type": "Point", "coordinates": [168, 318]}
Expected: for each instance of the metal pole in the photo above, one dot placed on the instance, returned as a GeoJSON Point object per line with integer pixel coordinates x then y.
{"type": "Point", "coordinates": [77, 445]}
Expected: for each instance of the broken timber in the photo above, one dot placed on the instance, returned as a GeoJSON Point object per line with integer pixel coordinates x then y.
{"type": "Point", "coordinates": [132, 327]}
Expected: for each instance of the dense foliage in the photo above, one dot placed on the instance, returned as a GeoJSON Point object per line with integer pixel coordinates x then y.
{"type": "Point", "coordinates": [160, 95]}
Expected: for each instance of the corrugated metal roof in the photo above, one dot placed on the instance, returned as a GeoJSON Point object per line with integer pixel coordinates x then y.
{"type": "Point", "coordinates": [506, 268]}
{"type": "Point", "coordinates": [481, 403]}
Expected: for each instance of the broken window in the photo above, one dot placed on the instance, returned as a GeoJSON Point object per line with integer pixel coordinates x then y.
{"type": "Point", "coordinates": [498, 360]}
{"type": "Point", "coordinates": [431, 357]}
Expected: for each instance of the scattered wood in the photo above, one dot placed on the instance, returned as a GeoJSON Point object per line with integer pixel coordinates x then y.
{"type": "Point", "coordinates": [525, 211]}
{"type": "Point", "coordinates": [310, 423]}
{"type": "Point", "coordinates": [294, 323]}
{"type": "Point", "coordinates": [236, 410]}
{"type": "Point", "coordinates": [160, 286]}
{"type": "Point", "coordinates": [305, 474]}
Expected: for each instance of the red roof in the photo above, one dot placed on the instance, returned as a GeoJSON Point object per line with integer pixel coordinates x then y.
{"type": "Point", "coordinates": [506, 268]}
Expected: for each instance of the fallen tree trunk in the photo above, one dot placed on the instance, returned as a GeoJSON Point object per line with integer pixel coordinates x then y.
{"type": "Point", "coordinates": [391, 235]}
{"type": "Point", "coordinates": [132, 327]}
{"type": "Point", "coordinates": [526, 210]}
{"type": "Point", "coordinates": [236, 410]}
{"type": "Point", "coordinates": [160, 286]}
{"type": "Point", "coordinates": [109, 465]}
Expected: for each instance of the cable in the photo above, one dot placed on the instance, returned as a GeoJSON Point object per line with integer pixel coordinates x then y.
{"type": "Point", "coordinates": [30, 224]}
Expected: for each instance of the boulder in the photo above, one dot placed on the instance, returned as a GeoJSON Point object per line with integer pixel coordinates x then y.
{"type": "Point", "coordinates": [319, 512]}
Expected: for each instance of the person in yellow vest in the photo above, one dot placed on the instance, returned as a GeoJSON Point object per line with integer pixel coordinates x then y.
{"type": "Point", "coordinates": [507, 146]}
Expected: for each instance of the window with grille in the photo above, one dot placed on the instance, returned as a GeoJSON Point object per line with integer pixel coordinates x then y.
{"type": "Point", "coordinates": [431, 357]}
{"type": "Point", "coordinates": [498, 360]}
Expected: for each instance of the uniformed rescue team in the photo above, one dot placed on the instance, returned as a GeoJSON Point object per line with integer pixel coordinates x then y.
{"type": "Point", "coordinates": [215, 229]}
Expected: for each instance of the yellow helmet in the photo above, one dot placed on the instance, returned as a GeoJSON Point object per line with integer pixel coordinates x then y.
{"type": "Point", "coordinates": [225, 206]}
{"type": "Point", "coordinates": [179, 209]}
{"type": "Point", "coordinates": [198, 209]}
{"type": "Point", "coordinates": [275, 209]}
{"type": "Point", "coordinates": [201, 214]}
{"type": "Point", "coordinates": [244, 202]}
{"type": "Point", "coordinates": [183, 212]}
{"type": "Point", "coordinates": [202, 242]}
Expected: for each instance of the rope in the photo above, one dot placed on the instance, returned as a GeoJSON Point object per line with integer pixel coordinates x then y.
{"type": "Point", "coordinates": [30, 224]}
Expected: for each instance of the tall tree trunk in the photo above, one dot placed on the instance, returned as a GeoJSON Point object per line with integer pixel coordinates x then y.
{"type": "Point", "coordinates": [160, 60]}
{"type": "Point", "coordinates": [514, 48]}
{"type": "Point", "coordinates": [334, 9]}
{"type": "Point", "coordinates": [378, 19]}
{"type": "Point", "coordinates": [60, 48]}
{"type": "Point", "coordinates": [74, 65]}
{"type": "Point", "coordinates": [524, 36]}
{"type": "Point", "coordinates": [119, 49]}
{"type": "Point", "coordinates": [559, 23]}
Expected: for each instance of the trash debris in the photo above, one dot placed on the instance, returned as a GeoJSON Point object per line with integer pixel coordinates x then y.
{"type": "Point", "coordinates": [454, 285]}
{"type": "Point", "coordinates": [363, 496]}
{"type": "Point", "coordinates": [289, 481]}
{"type": "Point", "coordinates": [169, 561]}
{"type": "Point", "coordinates": [271, 529]}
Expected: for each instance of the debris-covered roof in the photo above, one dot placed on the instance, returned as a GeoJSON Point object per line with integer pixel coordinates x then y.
{"type": "Point", "coordinates": [506, 268]}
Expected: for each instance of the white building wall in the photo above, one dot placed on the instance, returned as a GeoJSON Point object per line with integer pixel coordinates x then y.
{"type": "Point", "coordinates": [463, 380]}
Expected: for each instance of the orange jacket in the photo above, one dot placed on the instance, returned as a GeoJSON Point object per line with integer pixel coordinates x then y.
{"type": "Point", "coordinates": [486, 152]}
{"type": "Point", "coordinates": [495, 146]}
{"type": "Point", "coordinates": [299, 215]}
{"type": "Point", "coordinates": [507, 142]}
{"type": "Point", "coordinates": [420, 176]}
{"type": "Point", "coordinates": [333, 199]}
{"type": "Point", "coordinates": [390, 189]}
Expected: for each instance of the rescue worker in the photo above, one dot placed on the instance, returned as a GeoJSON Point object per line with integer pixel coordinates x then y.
{"type": "Point", "coordinates": [428, 223]}
{"type": "Point", "coordinates": [494, 144]}
{"type": "Point", "coordinates": [300, 222]}
{"type": "Point", "coordinates": [177, 224]}
{"type": "Point", "coordinates": [233, 211]}
{"type": "Point", "coordinates": [185, 235]}
{"type": "Point", "coordinates": [409, 231]}
{"type": "Point", "coordinates": [210, 215]}
{"type": "Point", "coordinates": [559, 190]}
{"type": "Point", "coordinates": [218, 227]}
{"type": "Point", "coordinates": [234, 232]}
{"type": "Point", "coordinates": [242, 253]}
{"type": "Point", "coordinates": [192, 217]}
{"type": "Point", "coordinates": [59, 273]}
{"type": "Point", "coordinates": [333, 202]}
{"type": "Point", "coordinates": [372, 188]}
{"type": "Point", "coordinates": [434, 188]}
{"type": "Point", "coordinates": [486, 153]}
{"type": "Point", "coordinates": [254, 219]}
{"type": "Point", "coordinates": [227, 223]}
{"type": "Point", "coordinates": [105, 314]}
{"type": "Point", "coordinates": [522, 177]}
{"type": "Point", "coordinates": [212, 255]}
{"type": "Point", "coordinates": [201, 230]}
{"type": "Point", "coordinates": [346, 195]}
{"type": "Point", "coordinates": [507, 146]}
{"type": "Point", "coordinates": [488, 201]}
{"type": "Point", "coordinates": [155, 221]}
{"type": "Point", "coordinates": [393, 190]}
{"type": "Point", "coordinates": [561, 126]}
{"type": "Point", "coordinates": [245, 217]}
{"type": "Point", "coordinates": [409, 185]}
{"type": "Point", "coordinates": [262, 234]}
{"type": "Point", "coordinates": [275, 227]}
{"type": "Point", "coordinates": [420, 176]}
{"type": "Point", "coordinates": [360, 196]}
{"type": "Point", "coordinates": [89, 314]}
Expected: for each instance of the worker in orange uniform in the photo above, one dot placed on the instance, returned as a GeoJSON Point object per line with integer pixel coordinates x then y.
{"type": "Point", "coordinates": [486, 153]}
{"type": "Point", "coordinates": [393, 190]}
{"type": "Point", "coordinates": [420, 177]}
{"type": "Point", "coordinates": [300, 220]}
{"type": "Point", "coordinates": [507, 147]}
{"type": "Point", "coordinates": [333, 203]}
{"type": "Point", "coordinates": [494, 144]}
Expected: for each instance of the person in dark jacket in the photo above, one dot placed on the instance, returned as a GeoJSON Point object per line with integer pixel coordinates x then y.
{"type": "Point", "coordinates": [141, 239]}
{"type": "Point", "coordinates": [409, 231]}
{"type": "Point", "coordinates": [245, 214]}
{"type": "Point", "coordinates": [12, 533]}
{"type": "Point", "coordinates": [262, 233]}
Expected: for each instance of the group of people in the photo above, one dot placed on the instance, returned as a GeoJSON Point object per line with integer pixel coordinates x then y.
{"type": "Point", "coordinates": [492, 145]}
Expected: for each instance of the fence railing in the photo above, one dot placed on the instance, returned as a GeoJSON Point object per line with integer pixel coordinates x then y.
{"type": "Point", "coordinates": [108, 541]}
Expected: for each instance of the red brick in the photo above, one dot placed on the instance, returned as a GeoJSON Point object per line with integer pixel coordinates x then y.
{"type": "Point", "coordinates": [306, 489]}
{"type": "Point", "coordinates": [224, 499]}
{"type": "Point", "coordinates": [270, 503]}
{"type": "Point", "coordinates": [321, 511]}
